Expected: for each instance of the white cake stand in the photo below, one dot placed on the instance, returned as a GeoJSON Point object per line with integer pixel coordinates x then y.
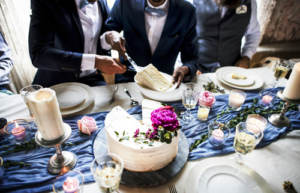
{"type": "Point", "coordinates": [61, 159]}
{"type": "Point", "coordinates": [280, 120]}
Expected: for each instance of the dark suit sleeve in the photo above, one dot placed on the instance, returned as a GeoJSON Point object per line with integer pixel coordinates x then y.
{"type": "Point", "coordinates": [189, 49]}
{"type": "Point", "coordinates": [41, 42]}
{"type": "Point", "coordinates": [114, 21]}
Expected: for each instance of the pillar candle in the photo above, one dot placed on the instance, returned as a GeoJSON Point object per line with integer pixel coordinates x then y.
{"type": "Point", "coordinates": [292, 89]}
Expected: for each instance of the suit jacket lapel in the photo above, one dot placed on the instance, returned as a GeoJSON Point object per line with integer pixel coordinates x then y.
{"type": "Point", "coordinates": [169, 25]}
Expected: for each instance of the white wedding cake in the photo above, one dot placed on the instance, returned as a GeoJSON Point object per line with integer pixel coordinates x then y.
{"type": "Point", "coordinates": [44, 106]}
{"type": "Point", "coordinates": [292, 89]}
{"type": "Point", "coordinates": [151, 78]}
{"type": "Point", "coordinates": [127, 137]}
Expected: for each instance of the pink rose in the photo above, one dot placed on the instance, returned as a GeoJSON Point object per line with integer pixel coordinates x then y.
{"type": "Point", "coordinates": [207, 99]}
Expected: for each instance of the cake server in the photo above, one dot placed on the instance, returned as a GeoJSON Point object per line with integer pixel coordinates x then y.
{"type": "Point", "coordinates": [132, 62]}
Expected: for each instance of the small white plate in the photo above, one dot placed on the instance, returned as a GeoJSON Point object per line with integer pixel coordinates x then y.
{"type": "Point", "coordinates": [85, 90]}
{"type": "Point", "coordinates": [249, 81]}
{"type": "Point", "coordinates": [172, 94]}
{"type": "Point", "coordinates": [65, 96]}
{"type": "Point", "coordinates": [222, 72]}
{"type": "Point", "coordinates": [226, 177]}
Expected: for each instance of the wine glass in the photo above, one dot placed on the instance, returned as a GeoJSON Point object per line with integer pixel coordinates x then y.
{"type": "Point", "coordinates": [280, 71]}
{"type": "Point", "coordinates": [245, 140]}
{"type": "Point", "coordinates": [107, 171]}
{"type": "Point", "coordinates": [189, 101]}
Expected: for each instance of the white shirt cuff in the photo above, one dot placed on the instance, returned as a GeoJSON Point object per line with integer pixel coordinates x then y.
{"type": "Point", "coordinates": [88, 62]}
{"type": "Point", "coordinates": [248, 53]}
{"type": "Point", "coordinates": [104, 44]}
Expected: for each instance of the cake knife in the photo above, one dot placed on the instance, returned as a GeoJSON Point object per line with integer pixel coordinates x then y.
{"type": "Point", "coordinates": [132, 62]}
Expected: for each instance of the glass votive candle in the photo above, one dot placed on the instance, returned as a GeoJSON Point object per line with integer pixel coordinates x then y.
{"type": "Point", "coordinates": [217, 134]}
{"type": "Point", "coordinates": [107, 171]}
{"type": "Point", "coordinates": [69, 182]}
{"type": "Point", "coordinates": [17, 129]}
{"type": "Point", "coordinates": [71, 185]}
{"type": "Point", "coordinates": [236, 99]}
{"type": "Point", "coordinates": [266, 98]}
{"type": "Point", "coordinates": [256, 123]}
{"type": "Point", "coordinates": [203, 113]}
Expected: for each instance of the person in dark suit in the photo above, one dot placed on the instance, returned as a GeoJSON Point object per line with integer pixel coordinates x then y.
{"type": "Point", "coordinates": [64, 42]}
{"type": "Point", "coordinates": [156, 31]}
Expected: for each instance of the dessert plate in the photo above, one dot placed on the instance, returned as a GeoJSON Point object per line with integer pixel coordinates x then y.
{"type": "Point", "coordinates": [244, 80]}
{"type": "Point", "coordinates": [172, 94]}
{"type": "Point", "coordinates": [84, 90]}
{"type": "Point", "coordinates": [224, 71]}
{"type": "Point", "coordinates": [147, 179]}
{"type": "Point", "coordinates": [65, 93]}
{"type": "Point", "coordinates": [226, 177]}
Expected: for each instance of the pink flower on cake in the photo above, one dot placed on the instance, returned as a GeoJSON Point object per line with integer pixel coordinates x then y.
{"type": "Point", "coordinates": [136, 133]}
{"type": "Point", "coordinates": [207, 99]}
{"type": "Point", "coordinates": [87, 125]}
{"type": "Point", "coordinates": [164, 117]}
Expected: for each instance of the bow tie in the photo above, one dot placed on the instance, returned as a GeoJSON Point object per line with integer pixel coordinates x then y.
{"type": "Point", "coordinates": [83, 3]}
{"type": "Point", "coordinates": [155, 11]}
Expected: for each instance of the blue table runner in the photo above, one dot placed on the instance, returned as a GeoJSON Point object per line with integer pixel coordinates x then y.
{"type": "Point", "coordinates": [35, 178]}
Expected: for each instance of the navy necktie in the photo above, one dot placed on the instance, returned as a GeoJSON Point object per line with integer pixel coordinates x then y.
{"type": "Point", "coordinates": [155, 11]}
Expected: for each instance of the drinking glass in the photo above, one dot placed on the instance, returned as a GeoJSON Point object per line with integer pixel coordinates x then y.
{"type": "Point", "coordinates": [245, 140]}
{"type": "Point", "coordinates": [236, 99]}
{"type": "Point", "coordinates": [107, 171]}
{"type": "Point", "coordinates": [25, 93]}
{"type": "Point", "coordinates": [256, 122]}
{"type": "Point", "coordinates": [189, 101]}
{"type": "Point", "coordinates": [280, 71]}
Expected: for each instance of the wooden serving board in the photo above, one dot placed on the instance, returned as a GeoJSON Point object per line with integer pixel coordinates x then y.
{"type": "Point", "coordinates": [147, 179]}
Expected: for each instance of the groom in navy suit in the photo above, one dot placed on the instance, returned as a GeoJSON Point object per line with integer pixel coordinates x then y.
{"type": "Point", "coordinates": [64, 42]}
{"type": "Point", "coordinates": [155, 32]}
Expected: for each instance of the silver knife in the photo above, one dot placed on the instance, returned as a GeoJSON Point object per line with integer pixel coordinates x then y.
{"type": "Point", "coordinates": [132, 62]}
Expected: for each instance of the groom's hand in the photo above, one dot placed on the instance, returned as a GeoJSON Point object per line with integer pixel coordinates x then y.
{"type": "Point", "coordinates": [179, 74]}
{"type": "Point", "coordinates": [109, 65]}
{"type": "Point", "coordinates": [117, 42]}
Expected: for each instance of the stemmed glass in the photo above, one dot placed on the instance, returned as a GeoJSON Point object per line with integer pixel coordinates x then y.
{"type": "Point", "coordinates": [107, 171]}
{"type": "Point", "coordinates": [189, 101]}
{"type": "Point", "coordinates": [245, 140]}
{"type": "Point", "coordinates": [280, 71]}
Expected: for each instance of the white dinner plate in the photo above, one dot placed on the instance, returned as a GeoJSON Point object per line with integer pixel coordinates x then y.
{"type": "Point", "coordinates": [224, 71]}
{"type": "Point", "coordinates": [172, 94]}
{"type": "Point", "coordinates": [248, 81]}
{"type": "Point", "coordinates": [65, 93]}
{"type": "Point", "coordinates": [84, 92]}
{"type": "Point", "coordinates": [226, 177]}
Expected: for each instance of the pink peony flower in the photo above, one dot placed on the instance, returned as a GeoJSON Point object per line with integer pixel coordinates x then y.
{"type": "Point", "coordinates": [87, 125]}
{"type": "Point", "coordinates": [136, 133]}
{"type": "Point", "coordinates": [207, 99]}
{"type": "Point", "coordinates": [164, 117]}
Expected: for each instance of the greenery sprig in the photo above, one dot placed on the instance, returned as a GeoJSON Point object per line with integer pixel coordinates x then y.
{"type": "Point", "coordinates": [9, 163]}
{"type": "Point", "coordinates": [198, 142]}
{"type": "Point", "coordinates": [212, 87]}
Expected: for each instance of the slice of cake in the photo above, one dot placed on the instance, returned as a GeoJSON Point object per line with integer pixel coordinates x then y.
{"type": "Point", "coordinates": [142, 148]}
{"type": "Point", "coordinates": [151, 78]}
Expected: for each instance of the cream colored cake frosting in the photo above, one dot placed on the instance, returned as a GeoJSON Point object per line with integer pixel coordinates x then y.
{"type": "Point", "coordinates": [44, 106]}
{"type": "Point", "coordinates": [139, 154]}
{"type": "Point", "coordinates": [150, 77]}
{"type": "Point", "coordinates": [292, 89]}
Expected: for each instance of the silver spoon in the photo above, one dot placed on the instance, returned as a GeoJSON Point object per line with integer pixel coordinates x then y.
{"type": "Point", "coordinates": [133, 101]}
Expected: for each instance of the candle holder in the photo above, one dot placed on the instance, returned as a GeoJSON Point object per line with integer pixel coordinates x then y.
{"type": "Point", "coordinates": [280, 120]}
{"type": "Point", "coordinates": [61, 158]}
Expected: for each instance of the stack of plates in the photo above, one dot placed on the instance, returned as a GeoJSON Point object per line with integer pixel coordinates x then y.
{"type": "Point", "coordinates": [73, 97]}
{"type": "Point", "coordinates": [172, 94]}
{"type": "Point", "coordinates": [239, 78]}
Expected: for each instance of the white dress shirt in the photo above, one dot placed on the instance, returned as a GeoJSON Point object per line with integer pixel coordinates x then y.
{"type": "Point", "coordinates": [154, 26]}
{"type": "Point", "coordinates": [91, 21]}
{"type": "Point", "coordinates": [252, 35]}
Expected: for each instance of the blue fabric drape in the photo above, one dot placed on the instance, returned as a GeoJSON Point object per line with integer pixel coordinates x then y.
{"type": "Point", "coordinates": [35, 178]}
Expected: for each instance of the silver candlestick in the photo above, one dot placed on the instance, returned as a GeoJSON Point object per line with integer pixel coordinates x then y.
{"type": "Point", "coordinates": [280, 120]}
{"type": "Point", "coordinates": [61, 158]}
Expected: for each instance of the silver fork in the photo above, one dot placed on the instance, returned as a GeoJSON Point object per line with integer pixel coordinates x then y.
{"type": "Point", "coordinates": [172, 188]}
{"type": "Point", "coordinates": [133, 101]}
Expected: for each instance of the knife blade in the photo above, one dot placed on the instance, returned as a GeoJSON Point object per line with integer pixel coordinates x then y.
{"type": "Point", "coordinates": [134, 65]}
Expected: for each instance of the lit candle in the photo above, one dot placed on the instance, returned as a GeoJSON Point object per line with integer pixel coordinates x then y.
{"type": "Point", "coordinates": [19, 132]}
{"type": "Point", "coordinates": [217, 137]}
{"type": "Point", "coordinates": [256, 123]}
{"type": "Point", "coordinates": [71, 185]}
{"type": "Point", "coordinates": [292, 89]}
{"type": "Point", "coordinates": [108, 178]}
{"type": "Point", "coordinates": [203, 113]}
{"type": "Point", "coordinates": [236, 99]}
{"type": "Point", "coordinates": [267, 99]}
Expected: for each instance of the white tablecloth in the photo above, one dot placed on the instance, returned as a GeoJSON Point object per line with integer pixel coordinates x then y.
{"type": "Point", "coordinates": [275, 163]}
